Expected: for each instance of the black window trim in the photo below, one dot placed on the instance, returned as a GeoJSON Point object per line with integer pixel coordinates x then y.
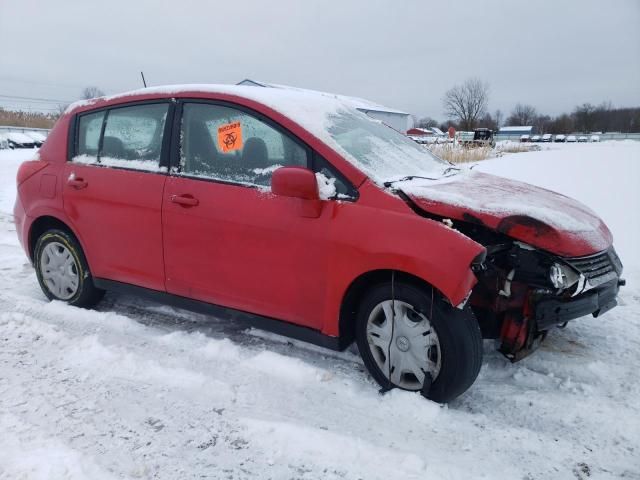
{"type": "Point", "coordinates": [73, 141]}
{"type": "Point", "coordinates": [312, 155]}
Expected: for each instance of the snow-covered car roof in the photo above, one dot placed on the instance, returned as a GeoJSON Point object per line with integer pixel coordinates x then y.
{"type": "Point", "coordinates": [321, 114]}
{"type": "Point", "coordinates": [359, 103]}
{"type": "Point", "coordinates": [515, 129]}
{"type": "Point", "coordinates": [37, 136]}
{"type": "Point", "coordinates": [18, 137]}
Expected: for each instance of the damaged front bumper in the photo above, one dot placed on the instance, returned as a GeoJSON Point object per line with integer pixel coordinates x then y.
{"type": "Point", "coordinates": [553, 311]}
{"type": "Point", "coordinates": [523, 293]}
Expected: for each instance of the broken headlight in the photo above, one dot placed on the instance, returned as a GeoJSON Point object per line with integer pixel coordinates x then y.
{"type": "Point", "coordinates": [562, 276]}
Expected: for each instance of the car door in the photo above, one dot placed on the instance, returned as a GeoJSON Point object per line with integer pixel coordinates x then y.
{"type": "Point", "coordinates": [113, 188]}
{"type": "Point", "coordinates": [227, 239]}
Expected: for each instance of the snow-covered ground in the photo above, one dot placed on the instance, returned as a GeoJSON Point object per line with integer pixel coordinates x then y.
{"type": "Point", "coordinates": [137, 390]}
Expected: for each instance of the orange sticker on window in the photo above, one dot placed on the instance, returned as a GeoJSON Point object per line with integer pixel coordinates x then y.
{"type": "Point", "coordinates": [230, 137]}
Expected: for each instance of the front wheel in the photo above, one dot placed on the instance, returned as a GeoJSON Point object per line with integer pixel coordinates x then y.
{"type": "Point", "coordinates": [409, 335]}
{"type": "Point", "coordinates": [62, 270]}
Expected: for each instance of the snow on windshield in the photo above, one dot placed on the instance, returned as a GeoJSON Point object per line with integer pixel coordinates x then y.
{"type": "Point", "coordinates": [379, 151]}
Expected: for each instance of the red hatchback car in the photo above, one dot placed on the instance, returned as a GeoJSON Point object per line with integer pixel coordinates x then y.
{"type": "Point", "coordinates": [298, 212]}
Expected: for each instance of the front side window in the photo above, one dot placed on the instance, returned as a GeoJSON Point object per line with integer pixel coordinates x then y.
{"type": "Point", "coordinates": [227, 144]}
{"type": "Point", "coordinates": [132, 137]}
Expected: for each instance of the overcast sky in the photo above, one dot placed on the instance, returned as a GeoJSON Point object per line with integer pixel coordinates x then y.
{"type": "Point", "coordinates": [552, 54]}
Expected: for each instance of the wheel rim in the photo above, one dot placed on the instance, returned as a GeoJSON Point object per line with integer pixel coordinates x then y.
{"type": "Point", "coordinates": [59, 270]}
{"type": "Point", "coordinates": [403, 344]}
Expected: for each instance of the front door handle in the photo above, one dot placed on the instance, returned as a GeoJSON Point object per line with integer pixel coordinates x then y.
{"type": "Point", "coordinates": [76, 182]}
{"type": "Point", "coordinates": [184, 200]}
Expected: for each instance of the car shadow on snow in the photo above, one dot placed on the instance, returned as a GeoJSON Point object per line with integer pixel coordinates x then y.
{"type": "Point", "coordinates": [240, 332]}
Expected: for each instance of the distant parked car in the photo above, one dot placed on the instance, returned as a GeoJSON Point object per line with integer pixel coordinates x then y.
{"type": "Point", "coordinates": [595, 138]}
{"type": "Point", "coordinates": [572, 139]}
{"type": "Point", "coordinates": [525, 138]}
{"type": "Point", "coordinates": [560, 138]}
{"type": "Point", "coordinates": [536, 138]}
{"type": "Point", "coordinates": [37, 138]}
{"type": "Point", "coordinates": [483, 137]}
{"type": "Point", "coordinates": [423, 139]}
{"type": "Point", "coordinates": [19, 140]}
{"type": "Point", "coordinates": [582, 139]}
{"type": "Point", "coordinates": [547, 137]}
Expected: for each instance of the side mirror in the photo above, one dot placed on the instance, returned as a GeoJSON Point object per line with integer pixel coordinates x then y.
{"type": "Point", "coordinates": [299, 183]}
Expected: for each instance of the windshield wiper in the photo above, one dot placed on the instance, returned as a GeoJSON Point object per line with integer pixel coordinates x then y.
{"type": "Point", "coordinates": [411, 177]}
{"type": "Point", "coordinates": [408, 177]}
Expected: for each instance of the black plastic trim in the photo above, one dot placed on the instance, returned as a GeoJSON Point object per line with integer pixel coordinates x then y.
{"type": "Point", "coordinates": [280, 327]}
{"type": "Point", "coordinates": [550, 312]}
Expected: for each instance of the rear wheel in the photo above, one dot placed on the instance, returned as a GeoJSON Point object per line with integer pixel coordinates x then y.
{"type": "Point", "coordinates": [62, 270]}
{"type": "Point", "coordinates": [408, 336]}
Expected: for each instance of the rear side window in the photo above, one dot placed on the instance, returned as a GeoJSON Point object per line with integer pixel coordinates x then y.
{"type": "Point", "coordinates": [231, 145]}
{"type": "Point", "coordinates": [131, 138]}
{"type": "Point", "coordinates": [89, 128]}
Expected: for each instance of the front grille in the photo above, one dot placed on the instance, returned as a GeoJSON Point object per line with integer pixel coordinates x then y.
{"type": "Point", "coordinates": [597, 269]}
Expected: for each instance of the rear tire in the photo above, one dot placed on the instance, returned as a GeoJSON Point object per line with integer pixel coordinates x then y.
{"type": "Point", "coordinates": [448, 351]}
{"type": "Point", "coordinates": [62, 270]}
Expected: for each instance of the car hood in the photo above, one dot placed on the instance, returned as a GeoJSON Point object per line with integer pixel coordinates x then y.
{"type": "Point", "coordinates": [541, 218]}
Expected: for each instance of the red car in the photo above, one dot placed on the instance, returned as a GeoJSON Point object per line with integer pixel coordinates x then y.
{"type": "Point", "coordinates": [298, 212]}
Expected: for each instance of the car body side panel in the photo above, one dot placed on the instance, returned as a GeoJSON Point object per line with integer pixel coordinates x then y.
{"type": "Point", "coordinates": [55, 148]}
{"type": "Point", "coordinates": [406, 242]}
{"type": "Point", "coordinates": [118, 214]}
{"type": "Point", "coordinates": [246, 249]}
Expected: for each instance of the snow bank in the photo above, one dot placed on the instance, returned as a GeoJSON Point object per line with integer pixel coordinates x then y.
{"type": "Point", "coordinates": [135, 390]}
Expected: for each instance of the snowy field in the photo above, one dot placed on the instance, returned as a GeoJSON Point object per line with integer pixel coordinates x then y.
{"type": "Point", "coordinates": [137, 390]}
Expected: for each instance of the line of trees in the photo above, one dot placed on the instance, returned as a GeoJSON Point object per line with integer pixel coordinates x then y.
{"type": "Point", "coordinates": [34, 119]}
{"type": "Point", "coordinates": [466, 106]}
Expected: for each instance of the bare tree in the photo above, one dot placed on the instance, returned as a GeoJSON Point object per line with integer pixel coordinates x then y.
{"type": "Point", "coordinates": [426, 122]}
{"type": "Point", "coordinates": [522, 115]}
{"type": "Point", "coordinates": [487, 121]}
{"type": "Point", "coordinates": [60, 109]}
{"type": "Point", "coordinates": [584, 117]}
{"type": "Point", "coordinates": [91, 92]}
{"type": "Point", "coordinates": [498, 118]}
{"type": "Point", "coordinates": [467, 102]}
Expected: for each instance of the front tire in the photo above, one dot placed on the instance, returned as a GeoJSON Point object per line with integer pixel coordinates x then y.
{"type": "Point", "coordinates": [409, 334]}
{"type": "Point", "coordinates": [62, 270]}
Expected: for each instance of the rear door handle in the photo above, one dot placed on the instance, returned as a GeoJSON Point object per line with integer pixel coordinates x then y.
{"type": "Point", "coordinates": [184, 200]}
{"type": "Point", "coordinates": [76, 182]}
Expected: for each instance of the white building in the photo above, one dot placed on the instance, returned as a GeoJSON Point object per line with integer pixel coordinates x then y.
{"type": "Point", "coordinates": [396, 119]}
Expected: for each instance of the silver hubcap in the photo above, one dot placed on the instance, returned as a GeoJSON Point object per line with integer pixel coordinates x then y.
{"type": "Point", "coordinates": [403, 344]}
{"type": "Point", "coordinates": [59, 270]}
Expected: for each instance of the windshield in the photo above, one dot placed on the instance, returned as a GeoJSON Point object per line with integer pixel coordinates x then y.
{"type": "Point", "coordinates": [381, 152]}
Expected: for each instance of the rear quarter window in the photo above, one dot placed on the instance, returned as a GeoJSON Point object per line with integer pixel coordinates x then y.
{"type": "Point", "coordinates": [89, 128]}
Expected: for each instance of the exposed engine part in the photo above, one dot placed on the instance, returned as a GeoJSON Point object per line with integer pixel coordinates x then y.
{"type": "Point", "coordinates": [506, 291]}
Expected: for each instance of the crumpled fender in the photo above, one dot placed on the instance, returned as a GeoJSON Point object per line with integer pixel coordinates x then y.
{"type": "Point", "coordinates": [536, 216]}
